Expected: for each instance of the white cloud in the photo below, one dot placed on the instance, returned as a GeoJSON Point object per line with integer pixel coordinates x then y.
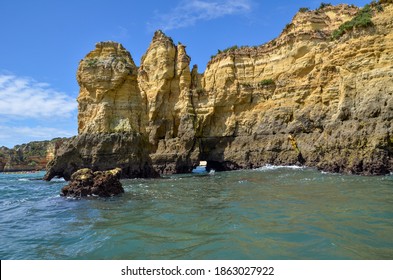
{"type": "Point", "coordinates": [12, 135]}
{"type": "Point", "coordinates": [188, 12]}
{"type": "Point", "coordinates": [34, 132]}
{"type": "Point", "coordinates": [26, 98]}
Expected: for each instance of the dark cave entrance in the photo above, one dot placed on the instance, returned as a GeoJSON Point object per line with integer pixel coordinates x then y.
{"type": "Point", "coordinates": [210, 165]}
{"type": "Point", "coordinates": [216, 166]}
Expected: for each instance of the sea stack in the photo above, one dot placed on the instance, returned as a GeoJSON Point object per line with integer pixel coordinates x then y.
{"type": "Point", "coordinates": [111, 118]}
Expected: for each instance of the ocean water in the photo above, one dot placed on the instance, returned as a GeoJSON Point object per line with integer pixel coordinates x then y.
{"type": "Point", "coordinates": [267, 213]}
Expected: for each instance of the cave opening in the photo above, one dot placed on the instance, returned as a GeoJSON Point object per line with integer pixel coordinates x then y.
{"type": "Point", "coordinates": [210, 166]}
{"type": "Point", "coordinates": [215, 165]}
{"type": "Point", "coordinates": [200, 168]}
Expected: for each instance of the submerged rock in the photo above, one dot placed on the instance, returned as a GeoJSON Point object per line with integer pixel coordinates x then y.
{"type": "Point", "coordinates": [85, 182]}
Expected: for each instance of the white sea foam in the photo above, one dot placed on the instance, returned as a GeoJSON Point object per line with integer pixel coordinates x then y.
{"type": "Point", "coordinates": [18, 201]}
{"type": "Point", "coordinates": [58, 180]}
{"type": "Point", "coordinates": [23, 180]}
{"type": "Point", "coordinates": [268, 167]}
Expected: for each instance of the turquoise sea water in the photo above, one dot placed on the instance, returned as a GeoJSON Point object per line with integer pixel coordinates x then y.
{"type": "Point", "coordinates": [268, 213]}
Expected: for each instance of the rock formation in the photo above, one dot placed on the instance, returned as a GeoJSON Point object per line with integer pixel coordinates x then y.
{"type": "Point", "coordinates": [164, 78]}
{"type": "Point", "coordinates": [302, 98]}
{"type": "Point", "coordinates": [111, 118]}
{"type": "Point", "coordinates": [109, 98]}
{"type": "Point", "coordinates": [85, 182]}
{"type": "Point", "coordinates": [32, 156]}
{"type": "Point", "coordinates": [103, 151]}
{"type": "Point", "coordinates": [334, 97]}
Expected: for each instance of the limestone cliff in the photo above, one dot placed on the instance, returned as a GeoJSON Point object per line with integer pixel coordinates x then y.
{"type": "Point", "coordinates": [109, 98]}
{"type": "Point", "coordinates": [164, 77]}
{"type": "Point", "coordinates": [334, 97]}
{"type": "Point", "coordinates": [301, 98]}
{"type": "Point", "coordinates": [112, 118]}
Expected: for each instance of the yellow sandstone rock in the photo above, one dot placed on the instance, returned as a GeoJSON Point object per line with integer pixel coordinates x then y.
{"type": "Point", "coordinates": [334, 96]}
{"type": "Point", "coordinates": [109, 98]}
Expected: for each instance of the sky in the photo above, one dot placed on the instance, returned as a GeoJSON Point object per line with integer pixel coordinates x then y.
{"type": "Point", "coordinates": [42, 42]}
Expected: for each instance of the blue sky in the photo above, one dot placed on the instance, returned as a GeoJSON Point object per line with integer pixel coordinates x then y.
{"type": "Point", "coordinates": [42, 42]}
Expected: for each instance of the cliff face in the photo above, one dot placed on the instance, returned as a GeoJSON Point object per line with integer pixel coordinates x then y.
{"type": "Point", "coordinates": [301, 98]}
{"type": "Point", "coordinates": [112, 118]}
{"type": "Point", "coordinates": [334, 97]}
{"type": "Point", "coordinates": [148, 108]}
{"type": "Point", "coordinates": [102, 151]}
{"type": "Point", "coordinates": [109, 98]}
{"type": "Point", "coordinates": [32, 156]}
{"type": "Point", "coordinates": [165, 78]}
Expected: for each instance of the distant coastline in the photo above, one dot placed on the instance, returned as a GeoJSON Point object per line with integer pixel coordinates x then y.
{"type": "Point", "coordinates": [30, 157]}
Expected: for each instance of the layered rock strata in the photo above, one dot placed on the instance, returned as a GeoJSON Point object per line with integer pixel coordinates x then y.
{"type": "Point", "coordinates": [333, 97]}
{"type": "Point", "coordinates": [302, 98]}
{"type": "Point", "coordinates": [165, 79]}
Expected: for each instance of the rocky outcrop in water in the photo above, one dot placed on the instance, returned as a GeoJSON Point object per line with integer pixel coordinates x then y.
{"type": "Point", "coordinates": [85, 182]}
{"type": "Point", "coordinates": [331, 97]}
{"type": "Point", "coordinates": [103, 151]}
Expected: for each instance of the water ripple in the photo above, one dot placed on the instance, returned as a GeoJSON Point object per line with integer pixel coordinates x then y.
{"type": "Point", "coordinates": [267, 213]}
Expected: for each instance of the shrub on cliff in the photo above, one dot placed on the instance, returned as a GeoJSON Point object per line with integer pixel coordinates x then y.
{"type": "Point", "coordinates": [288, 26]}
{"type": "Point", "coordinates": [266, 82]}
{"type": "Point", "coordinates": [361, 20]}
{"type": "Point", "coordinates": [377, 5]}
{"type": "Point", "coordinates": [303, 10]}
{"type": "Point", "coordinates": [323, 5]}
{"type": "Point", "coordinates": [235, 47]}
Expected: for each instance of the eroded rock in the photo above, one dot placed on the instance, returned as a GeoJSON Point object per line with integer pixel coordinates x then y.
{"type": "Point", "coordinates": [103, 151]}
{"type": "Point", "coordinates": [85, 182]}
{"type": "Point", "coordinates": [333, 96]}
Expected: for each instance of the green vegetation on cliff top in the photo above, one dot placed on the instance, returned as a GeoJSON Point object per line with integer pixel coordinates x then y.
{"type": "Point", "coordinates": [361, 20]}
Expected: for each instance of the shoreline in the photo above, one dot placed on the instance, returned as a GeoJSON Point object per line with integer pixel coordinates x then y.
{"type": "Point", "coordinates": [21, 172]}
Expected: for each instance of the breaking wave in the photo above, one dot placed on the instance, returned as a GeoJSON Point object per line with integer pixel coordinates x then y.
{"type": "Point", "coordinates": [269, 167]}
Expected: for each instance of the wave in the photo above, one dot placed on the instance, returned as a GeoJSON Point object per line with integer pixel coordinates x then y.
{"type": "Point", "coordinates": [58, 180]}
{"type": "Point", "coordinates": [40, 179]}
{"type": "Point", "coordinates": [269, 167]}
{"type": "Point", "coordinates": [24, 180]}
